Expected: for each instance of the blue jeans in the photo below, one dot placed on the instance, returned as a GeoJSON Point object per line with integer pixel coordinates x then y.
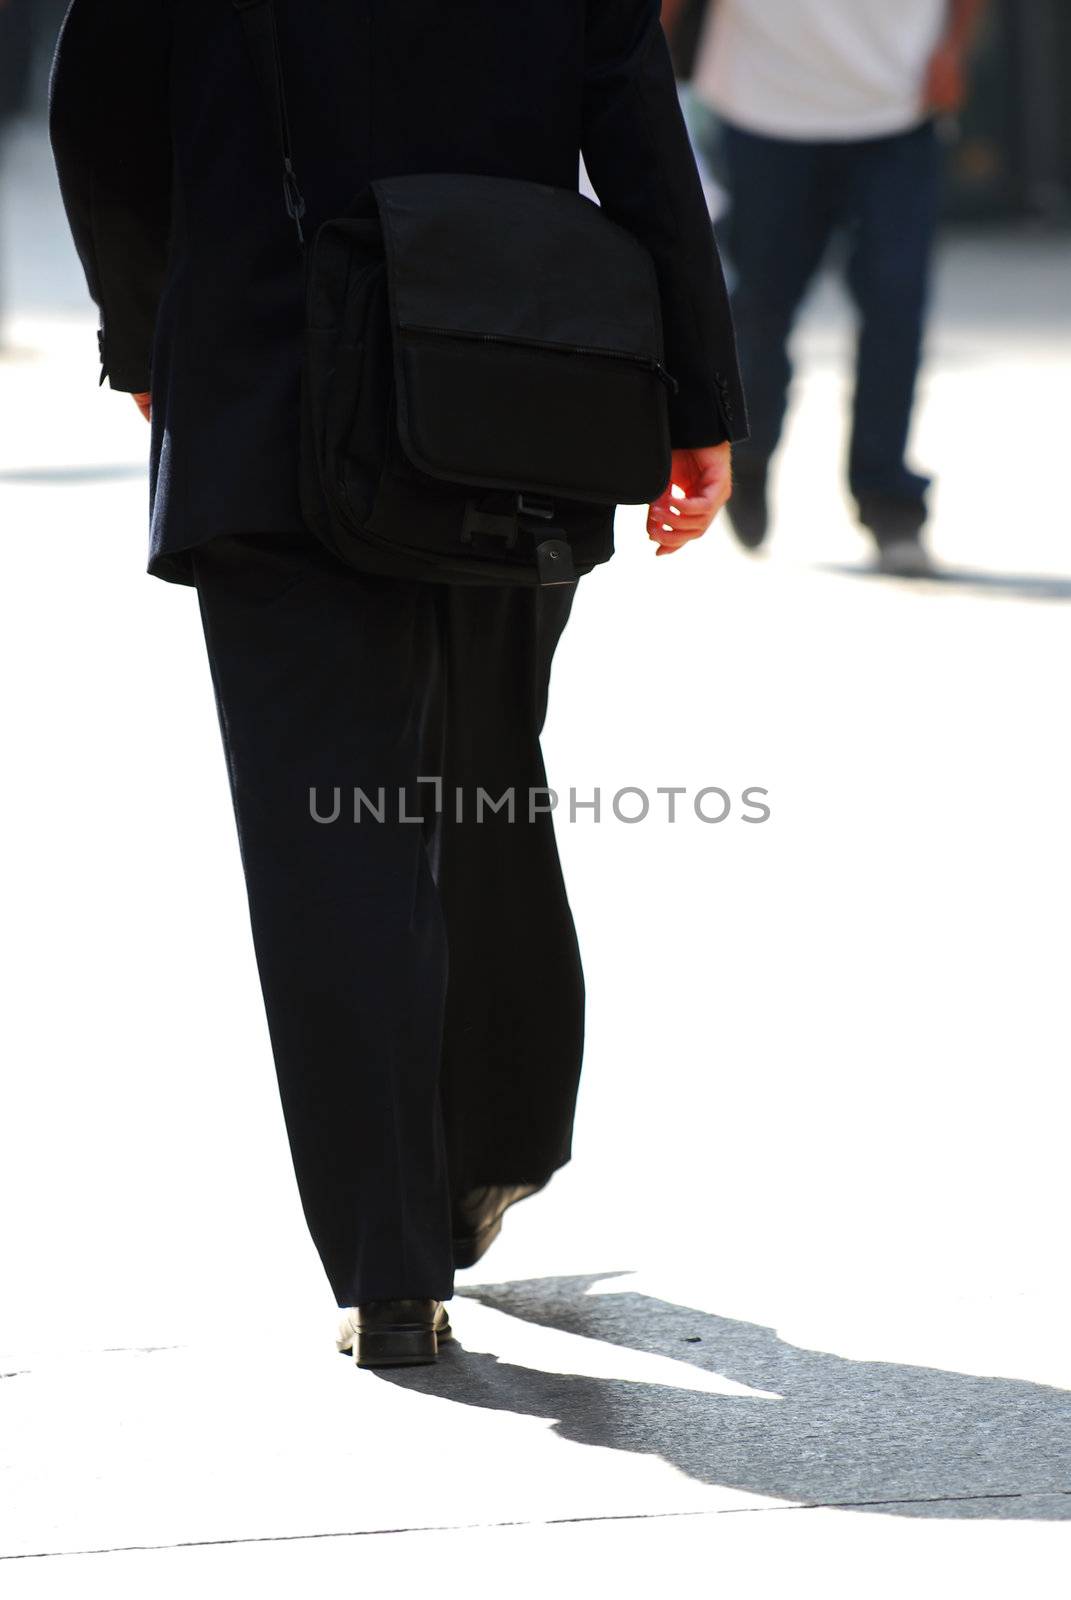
{"type": "Point", "coordinates": [789, 199]}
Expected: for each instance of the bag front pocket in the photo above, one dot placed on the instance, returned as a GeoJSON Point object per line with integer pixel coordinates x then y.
{"type": "Point", "coordinates": [507, 413]}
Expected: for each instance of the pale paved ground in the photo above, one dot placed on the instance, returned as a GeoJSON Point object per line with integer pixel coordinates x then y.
{"type": "Point", "coordinates": [795, 1318]}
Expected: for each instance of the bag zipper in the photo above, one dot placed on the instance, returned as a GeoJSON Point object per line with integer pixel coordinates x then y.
{"type": "Point", "coordinates": [650, 363]}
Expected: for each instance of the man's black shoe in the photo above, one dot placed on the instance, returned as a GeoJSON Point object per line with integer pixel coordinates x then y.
{"type": "Point", "coordinates": [394, 1333]}
{"type": "Point", "coordinates": [478, 1217]}
{"type": "Point", "coordinates": [748, 508]}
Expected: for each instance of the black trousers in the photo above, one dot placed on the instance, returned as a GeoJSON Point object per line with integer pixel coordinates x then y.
{"type": "Point", "coordinates": [421, 978]}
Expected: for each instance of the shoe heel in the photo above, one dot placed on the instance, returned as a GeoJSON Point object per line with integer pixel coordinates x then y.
{"type": "Point", "coordinates": [395, 1347]}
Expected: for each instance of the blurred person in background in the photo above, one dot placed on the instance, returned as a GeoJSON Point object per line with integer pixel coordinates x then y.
{"type": "Point", "coordinates": [16, 72]}
{"type": "Point", "coordinates": [828, 114]}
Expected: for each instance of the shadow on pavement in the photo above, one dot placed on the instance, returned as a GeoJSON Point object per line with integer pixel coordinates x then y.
{"type": "Point", "coordinates": [857, 1435]}
{"type": "Point", "coordinates": [1018, 586]}
{"type": "Point", "coordinates": [48, 477]}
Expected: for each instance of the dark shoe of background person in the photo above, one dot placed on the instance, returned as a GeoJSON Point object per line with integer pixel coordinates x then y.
{"type": "Point", "coordinates": [748, 506]}
{"type": "Point", "coordinates": [896, 524]}
{"type": "Point", "coordinates": [394, 1333]}
{"type": "Point", "coordinates": [478, 1217]}
{"type": "Point", "coordinates": [905, 558]}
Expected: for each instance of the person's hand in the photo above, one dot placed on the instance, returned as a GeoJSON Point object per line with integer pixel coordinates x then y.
{"type": "Point", "coordinates": [144, 405]}
{"type": "Point", "coordinates": [945, 89]}
{"type": "Point", "coordinates": [705, 477]}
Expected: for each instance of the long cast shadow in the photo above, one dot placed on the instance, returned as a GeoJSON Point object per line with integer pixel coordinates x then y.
{"type": "Point", "coordinates": [858, 1435]}
{"type": "Point", "coordinates": [1005, 585]}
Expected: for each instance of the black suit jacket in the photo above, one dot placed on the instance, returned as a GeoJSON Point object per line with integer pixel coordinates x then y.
{"type": "Point", "coordinates": [170, 179]}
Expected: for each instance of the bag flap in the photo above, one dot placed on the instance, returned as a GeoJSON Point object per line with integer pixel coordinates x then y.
{"type": "Point", "coordinates": [506, 415]}
{"type": "Point", "coordinates": [516, 260]}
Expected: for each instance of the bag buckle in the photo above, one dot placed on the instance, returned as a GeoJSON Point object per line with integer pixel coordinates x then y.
{"type": "Point", "coordinates": [527, 507]}
{"type": "Point", "coordinates": [500, 525]}
{"type": "Point", "coordinates": [554, 556]}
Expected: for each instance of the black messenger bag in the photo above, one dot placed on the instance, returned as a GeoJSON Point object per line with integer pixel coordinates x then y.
{"type": "Point", "coordinates": [482, 381]}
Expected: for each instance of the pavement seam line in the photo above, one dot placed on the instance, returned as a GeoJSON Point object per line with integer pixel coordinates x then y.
{"type": "Point", "coordinates": [547, 1522]}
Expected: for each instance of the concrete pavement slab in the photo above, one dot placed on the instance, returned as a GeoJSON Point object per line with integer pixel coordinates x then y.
{"type": "Point", "coordinates": [814, 1554]}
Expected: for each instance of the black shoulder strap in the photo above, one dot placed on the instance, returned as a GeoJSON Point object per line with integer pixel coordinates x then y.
{"type": "Point", "coordinates": [258, 22]}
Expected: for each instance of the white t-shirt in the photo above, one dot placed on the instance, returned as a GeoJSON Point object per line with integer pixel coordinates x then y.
{"type": "Point", "coordinates": [818, 69]}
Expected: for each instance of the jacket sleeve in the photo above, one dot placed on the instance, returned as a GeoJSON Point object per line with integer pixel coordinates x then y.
{"type": "Point", "coordinates": [110, 130]}
{"type": "Point", "coordinates": [640, 162]}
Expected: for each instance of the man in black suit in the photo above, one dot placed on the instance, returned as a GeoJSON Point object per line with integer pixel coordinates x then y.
{"type": "Point", "coordinates": [418, 1109]}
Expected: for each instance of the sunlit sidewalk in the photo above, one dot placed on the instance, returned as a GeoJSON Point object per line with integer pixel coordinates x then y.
{"type": "Point", "coordinates": [794, 1320]}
